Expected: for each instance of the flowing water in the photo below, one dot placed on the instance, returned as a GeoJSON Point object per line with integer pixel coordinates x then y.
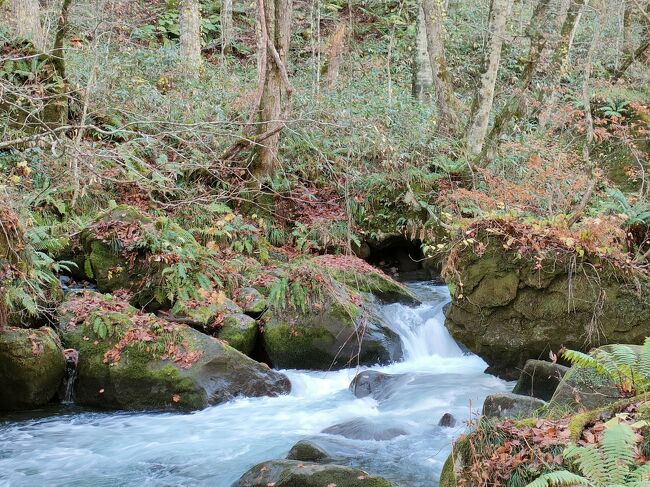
{"type": "Point", "coordinates": [214, 447]}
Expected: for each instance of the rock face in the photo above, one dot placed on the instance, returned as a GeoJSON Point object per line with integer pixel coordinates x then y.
{"type": "Point", "coordinates": [539, 379]}
{"type": "Point", "coordinates": [373, 383]}
{"type": "Point", "coordinates": [507, 405]}
{"type": "Point", "coordinates": [32, 366]}
{"type": "Point", "coordinates": [507, 311]}
{"type": "Point", "coordinates": [447, 421]}
{"type": "Point", "coordinates": [307, 451]}
{"type": "Point", "coordinates": [339, 333]}
{"type": "Point", "coordinates": [131, 360]}
{"type": "Point", "coordinates": [252, 302]}
{"type": "Point", "coordinates": [291, 473]}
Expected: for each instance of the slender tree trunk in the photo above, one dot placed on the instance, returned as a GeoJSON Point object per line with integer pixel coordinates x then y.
{"type": "Point", "coordinates": [422, 74]}
{"type": "Point", "coordinates": [628, 46]}
{"type": "Point", "coordinates": [227, 27]}
{"type": "Point", "coordinates": [28, 21]}
{"type": "Point", "coordinates": [190, 30]}
{"type": "Point", "coordinates": [485, 94]}
{"type": "Point", "coordinates": [637, 53]}
{"type": "Point", "coordinates": [275, 20]}
{"type": "Point", "coordinates": [538, 35]}
{"type": "Point", "coordinates": [559, 62]}
{"type": "Point", "coordinates": [335, 51]}
{"type": "Point", "coordinates": [446, 102]}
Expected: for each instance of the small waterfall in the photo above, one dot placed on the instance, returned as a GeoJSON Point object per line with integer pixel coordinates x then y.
{"type": "Point", "coordinates": [71, 361]}
{"type": "Point", "coordinates": [422, 329]}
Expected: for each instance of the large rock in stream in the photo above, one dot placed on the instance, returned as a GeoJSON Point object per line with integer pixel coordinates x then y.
{"type": "Point", "coordinates": [32, 366]}
{"type": "Point", "coordinates": [134, 360]}
{"type": "Point", "coordinates": [341, 327]}
{"type": "Point", "coordinates": [292, 473]}
{"type": "Point", "coordinates": [507, 309]}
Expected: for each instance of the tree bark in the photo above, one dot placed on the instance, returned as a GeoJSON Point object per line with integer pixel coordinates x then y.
{"type": "Point", "coordinates": [190, 36]}
{"type": "Point", "coordinates": [538, 35]}
{"type": "Point", "coordinates": [485, 94]}
{"type": "Point", "coordinates": [275, 18]}
{"type": "Point", "coordinates": [28, 22]}
{"type": "Point", "coordinates": [422, 73]}
{"type": "Point", "coordinates": [335, 50]}
{"type": "Point", "coordinates": [637, 53]}
{"type": "Point", "coordinates": [446, 102]}
{"type": "Point", "coordinates": [227, 27]}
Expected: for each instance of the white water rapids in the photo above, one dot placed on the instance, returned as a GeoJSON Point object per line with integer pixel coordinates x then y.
{"type": "Point", "coordinates": [214, 447]}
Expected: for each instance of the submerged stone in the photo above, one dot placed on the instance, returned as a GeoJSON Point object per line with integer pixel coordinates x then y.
{"type": "Point", "coordinates": [374, 383]}
{"type": "Point", "coordinates": [363, 429]}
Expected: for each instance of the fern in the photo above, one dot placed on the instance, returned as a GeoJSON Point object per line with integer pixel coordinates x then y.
{"type": "Point", "coordinates": [611, 463]}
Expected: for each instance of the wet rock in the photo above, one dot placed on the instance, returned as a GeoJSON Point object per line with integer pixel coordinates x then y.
{"type": "Point", "coordinates": [240, 332]}
{"type": "Point", "coordinates": [343, 330]}
{"type": "Point", "coordinates": [508, 310]}
{"type": "Point", "coordinates": [133, 360]}
{"type": "Point", "coordinates": [291, 473]}
{"type": "Point", "coordinates": [447, 421]}
{"type": "Point", "coordinates": [508, 405]}
{"type": "Point", "coordinates": [307, 451]}
{"type": "Point", "coordinates": [362, 429]}
{"type": "Point", "coordinates": [375, 384]}
{"type": "Point", "coordinates": [539, 379]}
{"type": "Point", "coordinates": [253, 303]}
{"type": "Point", "coordinates": [32, 367]}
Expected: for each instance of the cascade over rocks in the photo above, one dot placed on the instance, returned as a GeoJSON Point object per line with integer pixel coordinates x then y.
{"type": "Point", "coordinates": [32, 366]}
{"type": "Point", "coordinates": [507, 311]}
{"type": "Point", "coordinates": [133, 360]}
{"type": "Point", "coordinates": [292, 473]}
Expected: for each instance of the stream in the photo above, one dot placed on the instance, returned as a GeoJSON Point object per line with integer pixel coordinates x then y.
{"type": "Point", "coordinates": [69, 446]}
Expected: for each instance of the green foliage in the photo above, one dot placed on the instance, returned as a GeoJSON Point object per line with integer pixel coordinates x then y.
{"type": "Point", "coordinates": [626, 368]}
{"type": "Point", "coordinates": [611, 463]}
{"type": "Point", "coordinates": [614, 108]}
{"type": "Point", "coordinates": [637, 213]}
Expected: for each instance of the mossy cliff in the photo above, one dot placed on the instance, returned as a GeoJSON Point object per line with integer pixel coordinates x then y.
{"type": "Point", "coordinates": [507, 308]}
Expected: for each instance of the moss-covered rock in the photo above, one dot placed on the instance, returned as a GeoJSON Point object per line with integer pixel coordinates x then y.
{"type": "Point", "coordinates": [508, 405]}
{"type": "Point", "coordinates": [508, 310]}
{"type": "Point", "coordinates": [32, 366]}
{"type": "Point", "coordinates": [131, 360]}
{"type": "Point", "coordinates": [308, 451]}
{"type": "Point", "coordinates": [292, 473]}
{"type": "Point", "coordinates": [252, 302]}
{"type": "Point", "coordinates": [240, 332]}
{"type": "Point", "coordinates": [342, 330]}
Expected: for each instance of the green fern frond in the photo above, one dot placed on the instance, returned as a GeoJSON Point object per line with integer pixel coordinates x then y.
{"type": "Point", "coordinates": [562, 477]}
{"type": "Point", "coordinates": [618, 452]}
{"type": "Point", "coordinates": [583, 360]}
{"type": "Point", "coordinates": [643, 366]}
{"type": "Point", "coordinates": [590, 461]}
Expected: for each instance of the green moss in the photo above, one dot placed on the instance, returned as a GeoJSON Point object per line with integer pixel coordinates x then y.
{"type": "Point", "coordinates": [240, 332]}
{"type": "Point", "coordinates": [298, 347]}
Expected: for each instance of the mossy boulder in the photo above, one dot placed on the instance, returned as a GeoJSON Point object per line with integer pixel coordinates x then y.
{"type": "Point", "coordinates": [106, 260]}
{"type": "Point", "coordinates": [584, 389]}
{"type": "Point", "coordinates": [133, 360]}
{"type": "Point", "coordinates": [253, 303]}
{"type": "Point", "coordinates": [32, 367]}
{"type": "Point", "coordinates": [240, 332]}
{"type": "Point", "coordinates": [341, 330]}
{"type": "Point", "coordinates": [293, 473]}
{"type": "Point", "coordinates": [507, 309]}
{"type": "Point", "coordinates": [308, 451]}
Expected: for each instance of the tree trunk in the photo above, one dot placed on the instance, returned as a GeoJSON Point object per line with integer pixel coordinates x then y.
{"type": "Point", "coordinates": [422, 74]}
{"type": "Point", "coordinates": [275, 18]}
{"type": "Point", "coordinates": [227, 27]}
{"type": "Point", "coordinates": [632, 56]}
{"type": "Point", "coordinates": [446, 102]}
{"type": "Point", "coordinates": [335, 51]}
{"type": "Point", "coordinates": [538, 35]}
{"type": "Point", "coordinates": [28, 22]}
{"type": "Point", "coordinates": [190, 30]}
{"type": "Point", "coordinates": [485, 93]}
{"type": "Point", "coordinates": [559, 62]}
